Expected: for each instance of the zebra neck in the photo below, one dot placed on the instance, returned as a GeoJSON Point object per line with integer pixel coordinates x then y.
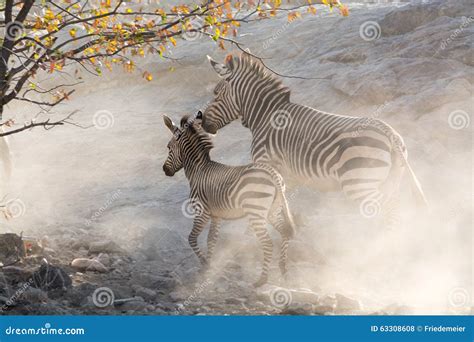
{"type": "Point", "coordinates": [261, 98]}
{"type": "Point", "coordinates": [259, 116]}
{"type": "Point", "coordinates": [192, 166]}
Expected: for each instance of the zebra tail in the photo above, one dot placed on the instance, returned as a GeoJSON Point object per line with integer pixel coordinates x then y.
{"type": "Point", "coordinates": [289, 223]}
{"type": "Point", "coordinates": [417, 191]}
{"type": "Point", "coordinates": [400, 148]}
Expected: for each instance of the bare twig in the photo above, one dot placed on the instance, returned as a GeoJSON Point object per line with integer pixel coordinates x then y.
{"type": "Point", "coordinates": [45, 124]}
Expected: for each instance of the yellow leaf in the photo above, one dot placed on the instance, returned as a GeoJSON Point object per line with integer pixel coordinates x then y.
{"type": "Point", "coordinates": [72, 32]}
{"type": "Point", "coordinates": [147, 76]}
{"type": "Point", "coordinates": [293, 15]}
{"type": "Point", "coordinates": [173, 41]}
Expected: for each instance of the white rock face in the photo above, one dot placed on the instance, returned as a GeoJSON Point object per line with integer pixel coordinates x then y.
{"type": "Point", "coordinates": [413, 67]}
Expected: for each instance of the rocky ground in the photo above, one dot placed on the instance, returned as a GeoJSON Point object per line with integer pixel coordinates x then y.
{"type": "Point", "coordinates": [106, 231]}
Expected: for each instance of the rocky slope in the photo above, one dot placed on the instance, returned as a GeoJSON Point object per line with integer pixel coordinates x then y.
{"type": "Point", "coordinates": [409, 64]}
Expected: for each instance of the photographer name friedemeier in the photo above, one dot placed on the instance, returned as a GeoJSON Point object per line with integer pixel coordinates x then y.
{"type": "Point", "coordinates": [441, 328]}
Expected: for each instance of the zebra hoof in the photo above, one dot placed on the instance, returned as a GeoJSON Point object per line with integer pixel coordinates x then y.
{"type": "Point", "coordinates": [260, 282]}
{"type": "Point", "coordinates": [204, 263]}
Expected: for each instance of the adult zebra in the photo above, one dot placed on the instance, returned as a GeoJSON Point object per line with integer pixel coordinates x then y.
{"type": "Point", "coordinates": [363, 157]}
{"type": "Point", "coordinates": [220, 192]}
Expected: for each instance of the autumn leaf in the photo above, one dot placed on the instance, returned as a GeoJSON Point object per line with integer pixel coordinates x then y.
{"type": "Point", "coordinates": [293, 15]}
{"type": "Point", "coordinates": [147, 76]}
{"type": "Point", "coordinates": [216, 35]}
{"type": "Point", "coordinates": [344, 10]}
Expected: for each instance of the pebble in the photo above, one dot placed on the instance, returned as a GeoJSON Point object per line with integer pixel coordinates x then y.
{"type": "Point", "coordinates": [133, 305]}
{"type": "Point", "coordinates": [304, 296]}
{"type": "Point", "coordinates": [104, 247]}
{"type": "Point", "coordinates": [298, 309]}
{"type": "Point", "coordinates": [34, 295]}
{"type": "Point", "coordinates": [345, 304]}
{"type": "Point", "coordinates": [177, 296]}
{"type": "Point", "coordinates": [146, 293]}
{"type": "Point", "coordinates": [83, 264]}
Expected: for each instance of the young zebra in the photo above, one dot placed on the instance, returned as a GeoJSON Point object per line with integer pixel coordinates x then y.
{"type": "Point", "coordinates": [221, 192]}
{"type": "Point", "coordinates": [363, 157]}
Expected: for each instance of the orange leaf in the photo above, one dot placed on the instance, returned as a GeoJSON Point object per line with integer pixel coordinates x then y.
{"type": "Point", "coordinates": [344, 10]}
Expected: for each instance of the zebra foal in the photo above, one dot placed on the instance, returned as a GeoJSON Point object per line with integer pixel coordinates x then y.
{"type": "Point", "coordinates": [364, 158]}
{"type": "Point", "coordinates": [220, 192]}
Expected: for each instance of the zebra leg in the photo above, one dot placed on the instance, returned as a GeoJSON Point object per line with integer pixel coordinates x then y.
{"type": "Point", "coordinates": [212, 237]}
{"type": "Point", "coordinates": [391, 188]}
{"type": "Point", "coordinates": [200, 222]}
{"type": "Point", "coordinates": [258, 225]}
{"type": "Point", "coordinates": [277, 220]}
{"type": "Point", "coordinates": [284, 254]}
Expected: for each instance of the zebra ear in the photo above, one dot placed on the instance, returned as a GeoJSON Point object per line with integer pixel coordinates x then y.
{"type": "Point", "coordinates": [221, 69]}
{"type": "Point", "coordinates": [170, 124]}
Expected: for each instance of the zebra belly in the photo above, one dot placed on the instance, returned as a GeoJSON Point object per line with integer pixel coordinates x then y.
{"type": "Point", "coordinates": [228, 214]}
{"type": "Point", "coordinates": [294, 179]}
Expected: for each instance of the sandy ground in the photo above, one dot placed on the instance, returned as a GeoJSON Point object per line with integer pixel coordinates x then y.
{"type": "Point", "coordinates": [105, 183]}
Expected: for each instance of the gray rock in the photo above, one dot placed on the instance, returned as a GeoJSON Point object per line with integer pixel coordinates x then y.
{"type": "Point", "coordinates": [299, 309]}
{"type": "Point", "coordinates": [345, 304]}
{"type": "Point", "coordinates": [304, 296]}
{"type": "Point", "coordinates": [329, 301]}
{"type": "Point", "coordinates": [235, 301]}
{"type": "Point", "coordinates": [136, 304]}
{"type": "Point", "coordinates": [104, 258]}
{"type": "Point", "coordinates": [154, 281]}
{"type": "Point", "coordinates": [178, 296]}
{"type": "Point", "coordinates": [104, 247]}
{"type": "Point", "coordinates": [145, 293]}
{"type": "Point", "coordinates": [83, 264]}
{"type": "Point", "coordinates": [323, 309]}
{"type": "Point", "coordinates": [50, 277]}
{"type": "Point", "coordinates": [33, 295]}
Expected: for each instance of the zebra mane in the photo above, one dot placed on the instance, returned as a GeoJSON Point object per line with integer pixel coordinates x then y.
{"type": "Point", "coordinates": [197, 134]}
{"type": "Point", "coordinates": [250, 64]}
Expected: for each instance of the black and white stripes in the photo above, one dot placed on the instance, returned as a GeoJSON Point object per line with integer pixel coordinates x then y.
{"type": "Point", "coordinates": [225, 192]}
{"type": "Point", "coordinates": [364, 158]}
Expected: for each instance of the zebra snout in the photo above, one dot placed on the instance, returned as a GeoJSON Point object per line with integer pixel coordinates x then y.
{"type": "Point", "coordinates": [168, 171]}
{"type": "Point", "coordinates": [209, 128]}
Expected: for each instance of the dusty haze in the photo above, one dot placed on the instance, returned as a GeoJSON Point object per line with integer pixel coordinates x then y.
{"type": "Point", "coordinates": [414, 76]}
